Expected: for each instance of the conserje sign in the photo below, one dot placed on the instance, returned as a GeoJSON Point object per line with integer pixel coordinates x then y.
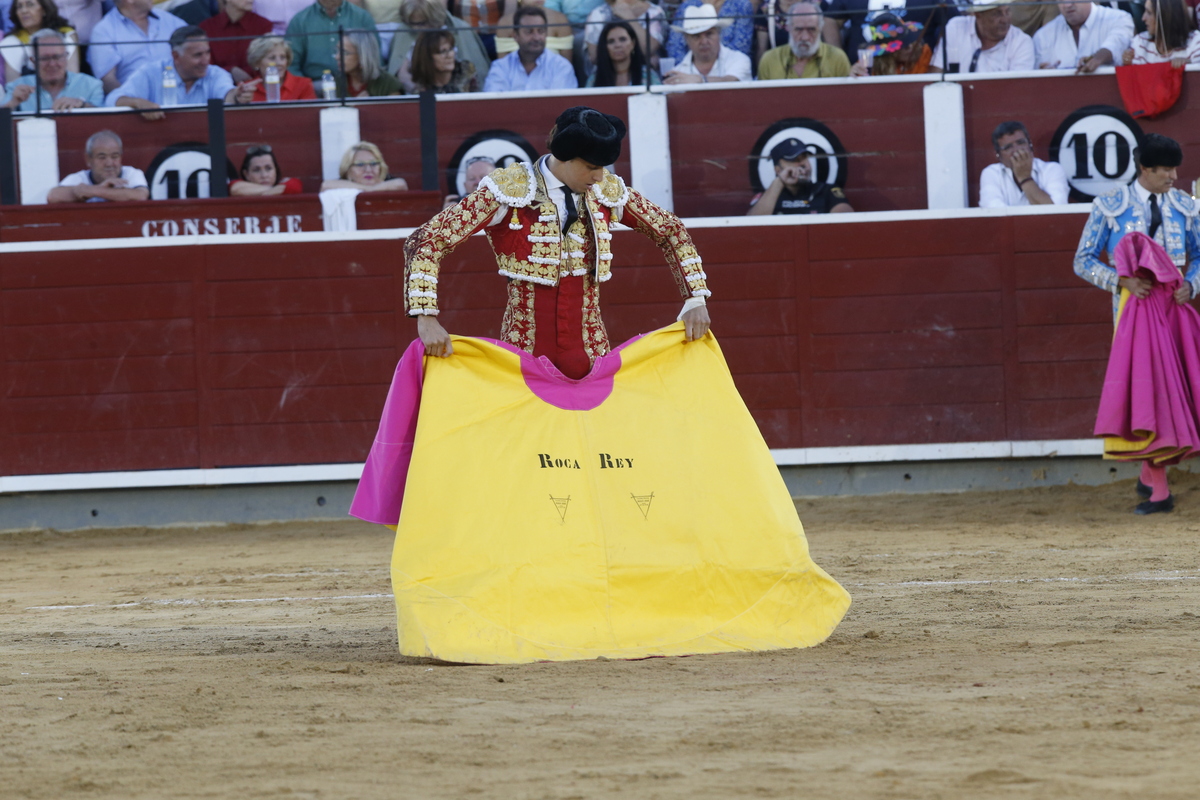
{"type": "Point", "coordinates": [212, 226]}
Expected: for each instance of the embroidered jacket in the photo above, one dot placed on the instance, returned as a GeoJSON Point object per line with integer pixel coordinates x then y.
{"type": "Point", "coordinates": [1120, 212]}
{"type": "Point", "coordinates": [530, 246]}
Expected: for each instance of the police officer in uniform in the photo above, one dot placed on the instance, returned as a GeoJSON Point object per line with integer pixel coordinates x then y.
{"type": "Point", "coordinates": [793, 190]}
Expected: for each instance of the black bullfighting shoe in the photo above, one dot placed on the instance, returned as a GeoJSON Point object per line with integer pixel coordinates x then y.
{"type": "Point", "coordinates": [1160, 507]}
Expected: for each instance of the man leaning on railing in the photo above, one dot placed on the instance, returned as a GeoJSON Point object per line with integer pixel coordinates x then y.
{"type": "Point", "coordinates": [187, 78]}
{"type": "Point", "coordinates": [708, 58]}
{"type": "Point", "coordinates": [985, 40]}
{"type": "Point", "coordinates": [1085, 37]}
{"type": "Point", "coordinates": [105, 179]}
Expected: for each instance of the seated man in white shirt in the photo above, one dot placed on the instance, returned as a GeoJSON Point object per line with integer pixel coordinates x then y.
{"type": "Point", "coordinates": [1085, 37]}
{"type": "Point", "coordinates": [105, 178]}
{"type": "Point", "coordinates": [985, 40]}
{"type": "Point", "coordinates": [1020, 179]}
{"type": "Point", "coordinates": [707, 61]}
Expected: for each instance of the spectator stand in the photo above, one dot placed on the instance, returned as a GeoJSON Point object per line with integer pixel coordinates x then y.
{"type": "Point", "coordinates": [891, 134]}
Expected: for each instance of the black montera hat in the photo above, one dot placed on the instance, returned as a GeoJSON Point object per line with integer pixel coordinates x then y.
{"type": "Point", "coordinates": [1157, 150]}
{"type": "Point", "coordinates": [582, 132]}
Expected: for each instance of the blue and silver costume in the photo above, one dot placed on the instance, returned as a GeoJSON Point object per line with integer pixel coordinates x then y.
{"type": "Point", "coordinates": [1120, 212]}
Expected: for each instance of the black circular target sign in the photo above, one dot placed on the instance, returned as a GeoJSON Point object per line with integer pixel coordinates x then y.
{"type": "Point", "coordinates": [502, 148]}
{"type": "Point", "coordinates": [830, 161]}
{"type": "Point", "coordinates": [183, 170]}
{"type": "Point", "coordinates": [1095, 145]}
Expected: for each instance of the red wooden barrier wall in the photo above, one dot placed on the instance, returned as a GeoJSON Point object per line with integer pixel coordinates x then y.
{"type": "Point", "coordinates": [881, 126]}
{"type": "Point", "coordinates": [864, 333]}
{"type": "Point", "coordinates": [1043, 103]}
{"type": "Point", "coordinates": [284, 214]}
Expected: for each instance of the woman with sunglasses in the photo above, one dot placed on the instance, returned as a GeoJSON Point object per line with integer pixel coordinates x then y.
{"type": "Point", "coordinates": [261, 176]}
{"type": "Point", "coordinates": [363, 168]}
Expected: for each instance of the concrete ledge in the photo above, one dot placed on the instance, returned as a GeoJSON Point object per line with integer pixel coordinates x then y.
{"type": "Point", "coordinates": [162, 507]}
{"type": "Point", "coordinates": [154, 507]}
{"type": "Point", "coordinates": [941, 477]}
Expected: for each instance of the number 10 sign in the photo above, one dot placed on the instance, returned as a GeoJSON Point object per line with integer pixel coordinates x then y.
{"type": "Point", "coordinates": [1095, 147]}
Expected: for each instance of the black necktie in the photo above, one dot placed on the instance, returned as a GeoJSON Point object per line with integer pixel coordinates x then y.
{"type": "Point", "coordinates": [572, 214]}
{"type": "Point", "coordinates": [975, 59]}
{"type": "Point", "coordinates": [1155, 215]}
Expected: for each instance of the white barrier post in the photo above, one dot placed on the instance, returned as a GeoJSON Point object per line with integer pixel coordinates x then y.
{"type": "Point", "coordinates": [945, 146]}
{"type": "Point", "coordinates": [339, 130]}
{"type": "Point", "coordinates": [650, 148]}
{"type": "Point", "coordinates": [37, 149]}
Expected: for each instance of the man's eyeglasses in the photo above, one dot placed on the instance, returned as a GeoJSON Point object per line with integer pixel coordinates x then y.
{"type": "Point", "coordinates": [52, 59]}
{"type": "Point", "coordinates": [1019, 143]}
{"type": "Point", "coordinates": [366, 164]}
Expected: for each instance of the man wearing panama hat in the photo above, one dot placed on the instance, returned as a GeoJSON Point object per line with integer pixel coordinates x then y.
{"type": "Point", "coordinates": [985, 40]}
{"type": "Point", "coordinates": [708, 60]}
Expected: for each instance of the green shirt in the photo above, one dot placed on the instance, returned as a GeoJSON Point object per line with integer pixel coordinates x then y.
{"type": "Point", "coordinates": [829, 62]}
{"type": "Point", "coordinates": [385, 84]}
{"type": "Point", "coordinates": [313, 54]}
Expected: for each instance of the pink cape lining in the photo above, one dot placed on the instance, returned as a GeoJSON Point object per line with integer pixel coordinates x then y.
{"type": "Point", "coordinates": [1153, 376]}
{"type": "Point", "coordinates": [380, 492]}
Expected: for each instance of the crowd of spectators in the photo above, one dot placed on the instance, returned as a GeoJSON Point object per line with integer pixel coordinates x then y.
{"type": "Point", "coordinates": [144, 55]}
{"type": "Point", "coordinates": [150, 52]}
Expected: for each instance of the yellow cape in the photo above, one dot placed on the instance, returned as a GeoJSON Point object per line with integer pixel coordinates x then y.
{"type": "Point", "coordinates": [655, 523]}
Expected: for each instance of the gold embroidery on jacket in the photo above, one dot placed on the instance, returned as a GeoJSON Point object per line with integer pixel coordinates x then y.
{"type": "Point", "coordinates": [433, 241]}
{"type": "Point", "coordinates": [514, 185]}
{"type": "Point", "coordinates": [668, 232]}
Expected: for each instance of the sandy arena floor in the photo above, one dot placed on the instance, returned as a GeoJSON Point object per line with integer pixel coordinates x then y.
{"type": "Point", "coordinates": [1027, 644]}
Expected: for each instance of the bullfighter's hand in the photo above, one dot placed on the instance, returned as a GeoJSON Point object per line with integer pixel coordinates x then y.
{"type": "Point", "coordinates": [696, 323]}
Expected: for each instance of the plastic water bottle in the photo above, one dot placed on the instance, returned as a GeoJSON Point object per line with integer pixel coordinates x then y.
{"type": "Point", "coordinates": [271, 78]}
{"type": "Point", "coordinates": [328, 86]}
{"type": "Point", "coordinates": [170, 87]}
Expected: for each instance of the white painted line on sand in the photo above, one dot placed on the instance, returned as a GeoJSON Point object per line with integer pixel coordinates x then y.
{"type": "Point", "coordinates": [986, 582]}
{"type": "Point", "coordinates": [200, 601]}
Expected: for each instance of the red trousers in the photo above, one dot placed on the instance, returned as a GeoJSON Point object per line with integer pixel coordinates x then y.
{"type": "Point", "coordinates": [558, 326]}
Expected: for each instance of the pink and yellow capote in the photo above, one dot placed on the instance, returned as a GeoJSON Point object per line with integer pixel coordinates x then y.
{"type": "Point", "coordinates": [636, 512]}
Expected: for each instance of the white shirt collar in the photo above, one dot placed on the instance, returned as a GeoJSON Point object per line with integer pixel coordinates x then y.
{"type": "Point", "coordinates": [1143, 194]}
{"type": "Point", "coordinates": [973, 39]}
{"type": "Point", "coordinates": [552, 181]}
{"type": "Point", "coordinates": [691, 62]}
{"type": "Point", "coordinates": [1089, 22]}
